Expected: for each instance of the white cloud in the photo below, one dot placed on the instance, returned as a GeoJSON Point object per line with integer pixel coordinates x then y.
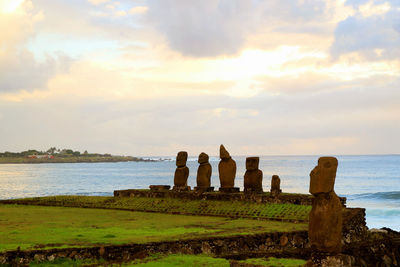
{"type": "Point", "coordinates": [373, 9]}
{"type": "Point", "coordinates": [138, 10]}
{"type": "Point", "coordinates": [98, 2]}
{"type": "Point", "coordinates": [19, 68]}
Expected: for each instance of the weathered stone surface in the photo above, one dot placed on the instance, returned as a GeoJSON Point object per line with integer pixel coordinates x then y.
{"type": "Point", "coordinates": [229, 190]}
{"type": "Point", "coordinates": [275, 185]}
{"type": "Point", "coordinates": [159, 188]}
{"type": "Point", "coordinates": [204, 189]}
{"type": "Point", "coordinates": [181, 176]}
{"type": "Point", "coordinates": [204, 171]}
{"type": "Point", "coordinates": [223, 153]}
{"type": "Point", "coordinates": [299, 199]}
{"type": "Point", "coordinates": [181, 159]}
{"type": "Point", "coordinates": [253, 176]}
{"type": "Point", "coordinates": [181, 188]}
{"type": "Point", "coordinates": [322, 177]}
{"type": "Point", "coordinates": [325, 225]}
{"type": "Point", "coordinates": [226, 168]}
{"type": "Point", "coordinates": [181, 172]}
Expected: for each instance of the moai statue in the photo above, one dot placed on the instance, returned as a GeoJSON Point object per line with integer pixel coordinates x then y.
{"type": "Point", "coordinates": [275, 185]}
{"type": "Point", "coordinates": [227, 171]}
{"type": "Point", "coordinates": [253, 176]}
{"type": "Point", "coordinates": [181, 172]}
{"type": "Point", "coordinates": [325, 226]}
{"type": "Point", "coordinates": [204, 174]}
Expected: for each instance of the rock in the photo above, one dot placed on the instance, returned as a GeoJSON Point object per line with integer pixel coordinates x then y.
{"type": "Point", "coordinates": [159, 188]}
{"type": "Point", "coordinates": [322, 177]}
{"type": "Point", "coordinates": [387, 260]}
{"type": "Point", "coordinates": [39, 257]}
{"type": "Point", "coordinates": [181, 172]}
{"type": "Point", "coordinates": [204, 171]}
{"type": "Point", "coordinates": [226, 168]}
{"type": "Point", "coordinates": [253, 176]}
{"type": "Point", "coordinates": [275, 185]}
{"type": "Point", "coordinates": [101, 251]}
{"type": "Point", "coordinates": [374, 230]}
{"type": "Point", "coordinates": [283, 241]}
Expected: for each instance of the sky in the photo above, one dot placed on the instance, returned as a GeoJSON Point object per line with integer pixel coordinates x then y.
{"type": "Point", "coordinates": [154, 77]}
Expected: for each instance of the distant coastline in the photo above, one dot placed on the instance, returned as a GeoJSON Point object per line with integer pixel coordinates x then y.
{"type": "Point", "coordinates": [54, 155]}
{"type": "Point", "coordinates": [72, 160]}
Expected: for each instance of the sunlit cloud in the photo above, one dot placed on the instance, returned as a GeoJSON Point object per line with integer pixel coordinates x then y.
{"type": "Point", "coordinates": [9, 6]}
{"type": "Point", "coordinates": [138, 10]}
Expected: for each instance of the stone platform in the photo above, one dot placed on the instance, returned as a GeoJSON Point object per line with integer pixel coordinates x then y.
{"type": "Point", "coordinates": [299, 199]}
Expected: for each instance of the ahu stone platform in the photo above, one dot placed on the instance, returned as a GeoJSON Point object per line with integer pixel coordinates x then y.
{"type": "Point", "coordinates": [299, 199]}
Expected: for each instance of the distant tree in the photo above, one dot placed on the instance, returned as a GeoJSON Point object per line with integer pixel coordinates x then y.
{"type": "Point", "coordinates": [51, 150]}
{"type": "Point", "coordinates": [69, 151]}
{"type": "Point", "coordinates": [85, 153]}
{"type": "Point", "coordinates": [30, 152]}
{"type": "Point", "coordinates": [76, 153]}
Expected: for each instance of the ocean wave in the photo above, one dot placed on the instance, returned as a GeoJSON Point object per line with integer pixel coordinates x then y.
{"type": "Point", "coordinates": [393, 195]}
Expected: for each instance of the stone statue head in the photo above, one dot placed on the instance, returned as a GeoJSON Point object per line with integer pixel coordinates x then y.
{"type": "Point", "coordinates": [252, 163]}
{"type": "Point", "coordinates": [322, 177]}
{"type": "Point", "coordinates": [181, 159]}
{"type": "Point", "coordinates": [203, 158]}
{"type": "Point", "coordinates": [223, 153]}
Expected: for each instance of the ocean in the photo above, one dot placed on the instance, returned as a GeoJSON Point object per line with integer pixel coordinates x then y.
{"type": "Point", "coordinates": [369, 181]}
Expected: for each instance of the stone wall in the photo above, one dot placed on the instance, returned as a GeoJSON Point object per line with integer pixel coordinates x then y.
{"type": "Point", "coordinates": [376, 248]}
{"type": "Point", "coordinates": [270, 244]}
{"type": "Point", "coordinates": [354, 225]}
{"type": "Point", "coordinates": [300, 199]}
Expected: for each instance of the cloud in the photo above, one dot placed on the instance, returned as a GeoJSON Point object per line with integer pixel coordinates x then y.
{"type": "Point", "coordinates": [373, 32]}
{"type": "Point", "coordinates": [19, 68]}
{"type": "Point", "coordinates": [220, 27]}
{"type": "Point", "coordinates": [360, 119]}
{"type": "Point", "coordinates": [98, 2]}
{"type": "Point", "coordinates": [20, 71]}
{"type": "Point", "coordinates": [138, 10]}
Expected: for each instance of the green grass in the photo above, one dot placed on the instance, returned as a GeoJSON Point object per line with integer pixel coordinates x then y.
{"type": "Point", "coordinates": [65, 262]}
{"type": "Point", "coordinates": [30, 227]}
{"type": "Point", "coordinates": [182, 260]}
{"type": "Point", "coordinates": [177, 260]}
{"type": "Point", "coordinates": [238, 209]}
{"type": "Point", "coordinates": [275, 262]}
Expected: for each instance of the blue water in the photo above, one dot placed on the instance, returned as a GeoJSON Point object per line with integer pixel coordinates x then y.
{"type": "Point", "coordinates": [371, 182]}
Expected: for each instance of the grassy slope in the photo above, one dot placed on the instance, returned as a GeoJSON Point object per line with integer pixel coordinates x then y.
{"type": "Point", "coordinates": [45, 227]}
{"type": "Point", "coordinates": [241, 209]}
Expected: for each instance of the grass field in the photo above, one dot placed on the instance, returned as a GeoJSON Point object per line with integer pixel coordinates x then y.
{"type": "Point", "coordinates": [31, 227]}
{"type": "Point", "coordinates": [177, 260]}
{"type": "Point", "coordinates": [238, 209]}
